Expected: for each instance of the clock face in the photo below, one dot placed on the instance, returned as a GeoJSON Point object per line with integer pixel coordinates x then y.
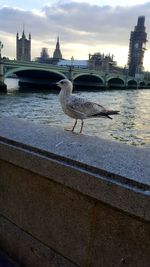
{"type": "Point", "coordinates": [136, 45]}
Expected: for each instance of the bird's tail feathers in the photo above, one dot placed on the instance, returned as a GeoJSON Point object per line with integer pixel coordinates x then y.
{"type": "Point", "coordinates": [112, 112]}
{"type": "Point", "coordinates": [106, 113]}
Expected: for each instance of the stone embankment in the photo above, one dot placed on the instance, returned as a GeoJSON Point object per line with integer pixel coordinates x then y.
{"type": "Point", "coordinates": [71, 200]}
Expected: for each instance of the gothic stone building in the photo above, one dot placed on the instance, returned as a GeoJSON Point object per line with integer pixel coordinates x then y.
{"type": "Point", "coordinates": [137, 47]}
{"type": "Point", "coordinates": [23, 47]}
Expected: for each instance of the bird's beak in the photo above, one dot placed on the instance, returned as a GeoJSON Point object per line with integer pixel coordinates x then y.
{"type": "Point", "coordinates": [57, 83]}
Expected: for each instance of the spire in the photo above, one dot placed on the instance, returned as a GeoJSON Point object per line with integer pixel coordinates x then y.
{"type": "Point", "coordinates": [57, 44]}
{"type": "Point", "coordinates": [57, 53]}
{"type": "Point", "coordinates": [23, 34]}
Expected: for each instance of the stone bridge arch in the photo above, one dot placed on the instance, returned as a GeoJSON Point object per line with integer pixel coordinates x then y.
{"type": "Point", "coordinates": [131, 83]}
{"type": "Point", "coordinates": [148, 84]}
{"type": "Point", "coordinates": [115, 82]}
{"type": "Point", "coordinates": [30, 77]}
{"type": "Point", "coordinates": [142, 84]}
{"type": "Point", "coordinates": [88, 81]}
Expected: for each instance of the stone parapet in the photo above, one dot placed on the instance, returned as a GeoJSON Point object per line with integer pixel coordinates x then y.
{"type": "Point", "coordinates": [72, 200]}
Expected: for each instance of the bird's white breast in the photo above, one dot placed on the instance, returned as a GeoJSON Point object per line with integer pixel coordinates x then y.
{"type": "Point", "coordinates": [65, 100]}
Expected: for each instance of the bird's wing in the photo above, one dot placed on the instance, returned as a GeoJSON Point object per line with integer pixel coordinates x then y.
{"type": "Point", "coordinates": [85, 107]}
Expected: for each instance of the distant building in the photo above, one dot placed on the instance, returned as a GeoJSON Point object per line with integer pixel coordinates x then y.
{"type": "Point", "coordinates": [137, 47]}
{"type": "Point", "coordinates": [23, 47]}
{"type": "Point", "coordinates": [44, 56]}
{"type": "Point", "coordinates": [74, 63]}
{"type": "Point", "coordinates": [101, 62]}
{"type": "Point", "coordinates": [57, 55]}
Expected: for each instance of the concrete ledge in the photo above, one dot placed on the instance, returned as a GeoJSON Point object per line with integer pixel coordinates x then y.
{"type": "Point", "coordinates": [28, 251]}
{"type": "Point", "coordinates": [109, 170]}
{"type": "Point", "coordinates": [85, 198]}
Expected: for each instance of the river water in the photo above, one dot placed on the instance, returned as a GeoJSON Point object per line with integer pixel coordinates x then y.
{"type": "Point", "coordinates": [132, 126]}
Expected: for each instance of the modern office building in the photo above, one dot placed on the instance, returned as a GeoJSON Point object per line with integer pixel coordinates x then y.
{"type": "Point", "coordinates": [137, 47]}
{"type": "Point", "coordinates": [23, 47]}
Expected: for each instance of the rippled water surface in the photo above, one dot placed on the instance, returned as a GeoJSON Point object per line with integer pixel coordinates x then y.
{"type": "Point", "coordinates": [132, 126]}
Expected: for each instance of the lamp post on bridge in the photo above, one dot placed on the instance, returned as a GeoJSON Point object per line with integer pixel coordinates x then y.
{"type": "Point", "coordinates": [71, 67]}
{"type": "Point", "coordinates": [1, 47]}
{"type": "Point", "coordinates": [126, 73]}
{"type": "Point", "coordinates": [3, 87]}
{"type": "Point", "coordinates": [105, 80]}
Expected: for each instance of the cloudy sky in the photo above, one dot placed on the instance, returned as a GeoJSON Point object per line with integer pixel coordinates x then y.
{"type": "Point", "coordinates": [84, 27]}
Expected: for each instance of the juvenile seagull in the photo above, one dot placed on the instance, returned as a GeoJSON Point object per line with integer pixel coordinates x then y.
{"type": "Point", "coordinates": [80, 108]}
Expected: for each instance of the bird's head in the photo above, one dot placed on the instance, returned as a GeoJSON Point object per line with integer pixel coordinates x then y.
{"type": "Point", "coordinates": [65, 85]}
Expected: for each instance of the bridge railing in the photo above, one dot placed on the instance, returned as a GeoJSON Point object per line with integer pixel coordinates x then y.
{"type": "Point", "coordinates": [14, 63]}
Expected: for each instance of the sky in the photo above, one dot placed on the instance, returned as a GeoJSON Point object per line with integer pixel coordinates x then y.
{"type": "Point", "coordinates": [84, 27]}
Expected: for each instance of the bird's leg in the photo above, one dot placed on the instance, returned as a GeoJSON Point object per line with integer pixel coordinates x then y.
{"type": "Point", "coordinates": [82, 123]}
{"type": "Point", "coordinates": [74, 126]}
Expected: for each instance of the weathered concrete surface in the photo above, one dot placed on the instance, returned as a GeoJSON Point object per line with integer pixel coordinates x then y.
{"type": "Point", "coordinates": [119, 170]}
{"type": "Point", "coordinates": [5, 261]}
{"type": "Point", "coordinates": [94, 151]}
{"type": "Point", "coordinates": [119, 240]}
{"type": "Point", "coordinates": [57, 216]}
{"type": "Point", "coordinates": [27, 250]}
{"type": "Point", "coordinates": [72, 200]}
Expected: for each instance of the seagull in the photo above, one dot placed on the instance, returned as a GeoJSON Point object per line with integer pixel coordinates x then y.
{"type": "Point", "coordinates": [80, 108]}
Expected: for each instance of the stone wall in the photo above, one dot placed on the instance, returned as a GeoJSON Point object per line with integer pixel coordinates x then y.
{"type": "Point", "coordinates": [71, 200]}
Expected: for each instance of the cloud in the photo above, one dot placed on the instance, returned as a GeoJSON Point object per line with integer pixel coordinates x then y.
{"type": "Point", "coordinates": [76, 23]}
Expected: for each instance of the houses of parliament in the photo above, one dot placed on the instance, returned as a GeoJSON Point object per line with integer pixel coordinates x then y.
{"type": "Point", "coordinates": [23, 50]}
{"type": "Point", "coordinates": [97, 61]}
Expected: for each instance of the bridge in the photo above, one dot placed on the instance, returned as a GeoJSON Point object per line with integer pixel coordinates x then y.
{"type": "Point", "coordinates": [46, 75]}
